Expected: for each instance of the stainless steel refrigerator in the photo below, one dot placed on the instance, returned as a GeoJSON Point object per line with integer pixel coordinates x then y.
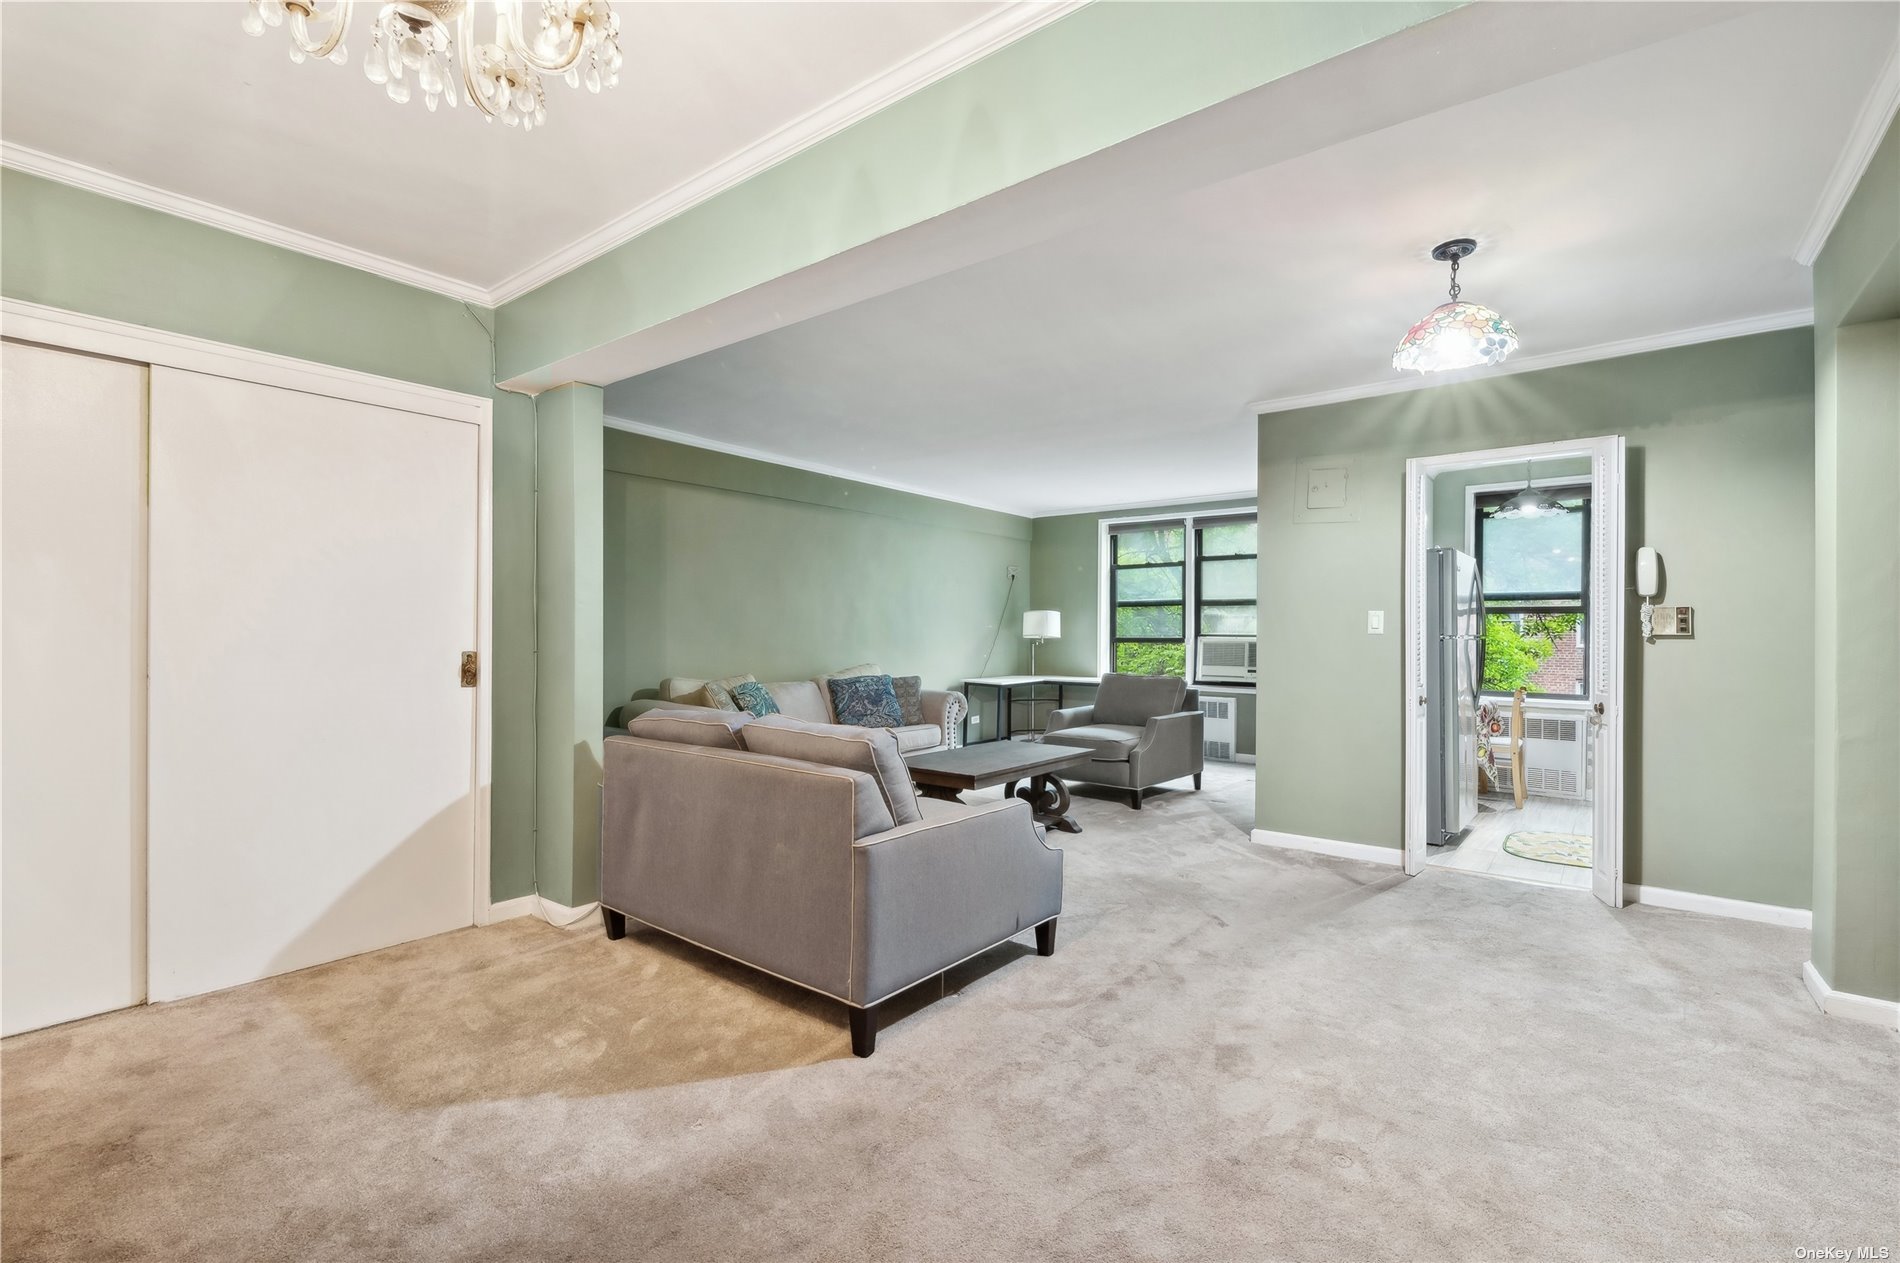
{"type": "Point", "coordinates": [1454, 629]}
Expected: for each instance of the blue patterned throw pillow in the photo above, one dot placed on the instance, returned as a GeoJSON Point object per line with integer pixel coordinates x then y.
{"type": "Point", "coordinates": [868, 701]}
{"type": "Point", "coordinates": [752, 696]}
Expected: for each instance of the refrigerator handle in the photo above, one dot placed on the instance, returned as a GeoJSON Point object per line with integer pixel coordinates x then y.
{"type": "Point", "coordinates": [1477, 641]}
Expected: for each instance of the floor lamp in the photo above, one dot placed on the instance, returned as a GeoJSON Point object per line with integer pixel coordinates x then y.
{"type": "Point", "coordinates": [1038, 626]}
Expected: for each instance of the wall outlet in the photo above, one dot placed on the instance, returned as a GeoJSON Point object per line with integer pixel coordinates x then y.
{"type": "Point", "coordinates": [1014, 571]}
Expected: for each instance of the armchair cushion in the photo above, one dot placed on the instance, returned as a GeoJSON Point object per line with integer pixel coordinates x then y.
{"type": "Point", "coordinates": [871, 750]}
{"type": "Point", "coordinates": [718, 729]}
{"type": "Point", "coordinates": [914, 737]}
{"type": "Point", "coordinates": [1109, 741]}
{"type": "Point", "coordinates": [1135, 699]}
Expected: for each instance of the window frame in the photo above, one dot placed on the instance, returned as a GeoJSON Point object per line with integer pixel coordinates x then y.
{"type": "Point", "coordinates": [1191, 602]}
{"type": "Point", "coordinates": [1528, 603]}
{"type": "Point", "coordinates": [1115, 604]}
{"type": "Point", "coordinates": [1201, 603]}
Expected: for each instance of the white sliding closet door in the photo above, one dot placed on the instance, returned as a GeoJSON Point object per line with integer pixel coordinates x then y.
{"type": "Point", "coordinates": [313, 587]}
{"type": "Point", "coordinates": [72, 685]}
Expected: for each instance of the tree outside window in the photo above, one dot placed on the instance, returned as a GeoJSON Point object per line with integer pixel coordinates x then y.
{"type": "Point", "coordinates": [1536, 591]}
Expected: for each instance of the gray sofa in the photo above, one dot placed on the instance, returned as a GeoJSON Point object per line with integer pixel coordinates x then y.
{"type": "Point", "coordinates": [810, 700]}
{"type": "Point", "coordinates": [1144, 729]}
{"type": "Point", "coordinates": [824, 870]}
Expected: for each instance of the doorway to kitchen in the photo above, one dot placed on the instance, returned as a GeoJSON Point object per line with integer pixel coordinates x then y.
{"type": "Point", "coordinates": [1514, 605]}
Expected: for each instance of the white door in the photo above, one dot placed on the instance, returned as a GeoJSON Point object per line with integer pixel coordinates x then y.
{"type": "Point", "coordinates": [313, 587]}
{"type": "Point", "coordinates": [1607, 630]}
{"type": "Point", "coordinates": [72, 676]}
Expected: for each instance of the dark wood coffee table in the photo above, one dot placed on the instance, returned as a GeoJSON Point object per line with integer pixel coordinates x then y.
{"type": "Point", "coordinates": [945, 773]}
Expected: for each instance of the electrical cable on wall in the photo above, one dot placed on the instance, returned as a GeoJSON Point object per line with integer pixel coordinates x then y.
{"type": "Point", "coordinates": [1000, 616]}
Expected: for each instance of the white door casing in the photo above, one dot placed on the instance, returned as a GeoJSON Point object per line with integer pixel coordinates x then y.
{"type": "Point", "coordinates": [1607, 629]}
{"type": "Point", "coordinates": [72, 670]}
{"type": "Point", "coordinates": [313, 585]}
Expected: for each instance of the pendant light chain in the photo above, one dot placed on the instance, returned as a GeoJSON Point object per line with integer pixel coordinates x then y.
{"type": "Point", "coordinates": [1454, 278]}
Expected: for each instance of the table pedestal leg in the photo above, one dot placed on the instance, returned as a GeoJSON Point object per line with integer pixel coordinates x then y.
{"type": "Point", "coordinates": [1048, 798]}
{"type": "Point", "coordinates": [939, 792]}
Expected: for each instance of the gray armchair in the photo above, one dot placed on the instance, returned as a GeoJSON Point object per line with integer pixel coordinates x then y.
{"type": "Point", "coordinates": [1144, 729]}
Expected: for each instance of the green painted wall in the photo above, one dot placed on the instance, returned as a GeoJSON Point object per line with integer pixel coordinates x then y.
{"type": "Point", "coordinates": [1065, 566]}
{"type": "Point", "coordinates": [571, 624]}
{"type": "Point", "coordinates": [717, 564]}
{"type": "Point", "coordinates": [1721, 470]}
{"type": "Point", "coordinates": [1096, 77]}
{"type": "Point", "coordinates": [68, 248]}
{"type": "Point", "coordinates": [1857, 572]}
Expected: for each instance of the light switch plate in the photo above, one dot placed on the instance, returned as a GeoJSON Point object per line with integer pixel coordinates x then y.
{"type": "Point", "coordinates": [1672, 622]}
{"type": "Point", "coordinates": [1375, 622]}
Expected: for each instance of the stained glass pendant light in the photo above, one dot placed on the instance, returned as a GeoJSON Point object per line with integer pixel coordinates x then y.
{"type": "Point", "coordinates": [1456, 334]}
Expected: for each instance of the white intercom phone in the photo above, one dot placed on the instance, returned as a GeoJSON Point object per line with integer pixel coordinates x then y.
{"type": "Point", "coordinates": [1646, 587]}
{"type": "Point", "coordinates": [1647, 572]}
{"type": "Point", "coordinates": [1677, 620]}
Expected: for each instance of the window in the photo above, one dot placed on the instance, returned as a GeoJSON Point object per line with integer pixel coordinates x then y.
{"type": "Point", "coordinates": [1160, 572]}
{"type": "Point", "coordinates": [1147, 593]}
{"type": "Point", "coordinates": [1227, 572]}
{"type": "Point", "coordinates": [1537, 595]}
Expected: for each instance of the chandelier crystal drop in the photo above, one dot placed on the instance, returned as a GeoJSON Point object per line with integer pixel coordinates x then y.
{"type": "Point", "coordinates": [1455, 334]}
{"type": "Point", "coordinates": [430, 47]}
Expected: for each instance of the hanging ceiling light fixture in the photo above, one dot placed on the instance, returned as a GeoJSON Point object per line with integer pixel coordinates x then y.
{"type": "Point", "coordinates": [1455, 334]}
{"type": "Point", "coordinates": [424, 42]}
{"type": "Point", "coordinates": [1531, 502]}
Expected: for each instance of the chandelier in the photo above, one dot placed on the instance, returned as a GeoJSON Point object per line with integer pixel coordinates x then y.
{"type": "Point", "coordinates": [1455, 334]}
{"type": "Point", "coordinates": [426, 45]}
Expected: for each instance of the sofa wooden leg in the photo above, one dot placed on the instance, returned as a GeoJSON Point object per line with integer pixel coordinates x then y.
{"type": "Point", "coordinates": [1197, 780]}
{"type": "Point", "coordinates": [615, 922]}
{"type": "Point", "coordinates": [863, 1032]}
{"type": "Point", "coordinates": [1134, 799]}
{"type": "Point", "coordinates": [1046, 938]}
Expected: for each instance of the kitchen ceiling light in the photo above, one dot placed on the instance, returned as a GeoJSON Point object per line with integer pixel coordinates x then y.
{"type": "Point", "coordinates": [1456, 334]}
{"type": "Point", "coordinates": [1531, 503]}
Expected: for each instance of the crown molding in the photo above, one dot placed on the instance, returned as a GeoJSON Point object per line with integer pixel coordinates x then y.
{"type": "Point", "coordinates": [93, 180]}
{"type": "Point", "coordinates": [1876, 113]}
{"type": "Point", "coordinates": [940, 60]}
{"type": "Point", "coordinates": [811, 467]}
{"type": "Point", "coordinates": [1251, 495]}
{"type": "Point", "coordinates": [944, 58]}
{"type": "Point", "coordinates": [1770, 323]}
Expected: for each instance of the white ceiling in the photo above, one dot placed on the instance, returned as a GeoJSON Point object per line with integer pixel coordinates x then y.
{"type": "Point", "coordinates": [1649, 198]}
{"type": "Point", "coordinates": [176, 97]}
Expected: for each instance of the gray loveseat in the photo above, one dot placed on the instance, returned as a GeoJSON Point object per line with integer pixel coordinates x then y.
{"type": "Point", "coordinates": [803, 851]}
{"type": "Point", "coordinates": [1144, 730]}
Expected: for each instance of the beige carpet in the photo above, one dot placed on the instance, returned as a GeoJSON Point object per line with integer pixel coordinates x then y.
{"type": "Point", "coordinates": [1234, 1054]}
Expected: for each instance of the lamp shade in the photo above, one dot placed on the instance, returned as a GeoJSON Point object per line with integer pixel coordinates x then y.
{"type": "Point", "coordinates": [1042, 625]}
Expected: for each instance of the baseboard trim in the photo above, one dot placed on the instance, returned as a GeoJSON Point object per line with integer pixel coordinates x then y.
{"type": "Point", "coordinates": [1243, 758]}
{"type": "Point", "coordinates": [1859, 1008]}
{"type": "Point", "coordinates": [1389, 855]}
{"type": "Point", "coordinates": [1716, 906]}
{"type": "Point", "coordinates": [540, 909]}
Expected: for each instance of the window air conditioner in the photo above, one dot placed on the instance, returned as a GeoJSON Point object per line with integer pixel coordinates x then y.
{"type": "Point", "coordinates": [1228, 658]}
